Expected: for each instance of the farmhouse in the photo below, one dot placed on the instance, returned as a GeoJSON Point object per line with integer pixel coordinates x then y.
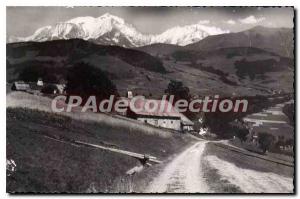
{"type": "Point", "coordinates": [20, 86]}
{"type": "Point", "coordinates": [40, 82]}
{"type": "Point", "coordinates": [39, 87]}
{"type": "Point", "coordinates": [164, 115]}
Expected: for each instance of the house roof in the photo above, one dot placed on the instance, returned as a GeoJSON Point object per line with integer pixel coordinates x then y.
{"type": "Point", "coordinates": [163, 109]}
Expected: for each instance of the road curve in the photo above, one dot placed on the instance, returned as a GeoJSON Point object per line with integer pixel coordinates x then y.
{"type": "Point", "coordinates": [185, 174]}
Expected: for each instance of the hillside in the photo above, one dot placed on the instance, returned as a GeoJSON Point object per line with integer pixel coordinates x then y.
{"type": "Point", "coordinates": [64, 52]}
{"type": "Point", "coordinates": [229, 71]}
{"type": "Point", "coordinates": [32, 143]}
{"type": "Point", "coordinates": [124, 66]}
{"type": "Point", "coordinates": [276, 40]}
{"type": "Point", "coordinates": [239, 61]}
{"type": "Point", "coordinates": [255, 61]}
{"type": "Point", "coordinates": [159, 49]}
{"type": "Point", "coordinates": [223, 71]}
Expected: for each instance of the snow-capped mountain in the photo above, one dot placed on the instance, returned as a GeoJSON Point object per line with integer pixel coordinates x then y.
{"type": "Point", "coordinates": [112, 30]}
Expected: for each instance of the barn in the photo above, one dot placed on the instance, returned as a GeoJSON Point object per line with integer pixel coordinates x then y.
{"type": "Point", "coordinates": [164, 115]}
{"type": "Point", "coordinates": [20, 86]}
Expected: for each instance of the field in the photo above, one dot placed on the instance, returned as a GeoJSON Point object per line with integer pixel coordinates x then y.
{"type": "Point", "coordinates": [43, 103]}
{"type": "Point", "coordinates": [47, 165]}
{"type": "Point", "coordinates": [267, 122]}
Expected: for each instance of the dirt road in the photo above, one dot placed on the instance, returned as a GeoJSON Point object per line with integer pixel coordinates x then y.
{"type": "Point", "coordinates": [185, 174]}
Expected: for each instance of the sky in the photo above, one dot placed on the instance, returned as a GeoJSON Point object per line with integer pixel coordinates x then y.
{"type": "Point", "coordinates": [23, 21]}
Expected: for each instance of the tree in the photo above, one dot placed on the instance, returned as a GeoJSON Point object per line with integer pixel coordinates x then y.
{"type": "Point", "coordinates": [85, 80]}
{"type": "Point", "coordinates": [179, 91]}
{"type": "Point", "coordinates": [240, 130]}
{"type": "Point", "coordinates": [31, 72]}
{"type": "Point", "coordinates": [265, 140]}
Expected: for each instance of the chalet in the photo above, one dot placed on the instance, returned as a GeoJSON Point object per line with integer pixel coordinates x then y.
{"type": "Point", "coordinates": [129, 94]}
{"type": "Point", "coordinates": [163, 117]}
{"type": "Point", "coordinates": [20, 86]}
{"type": "Point", "coordinates": [40, 82]}
{"type": "Point", "coordinates": [39, 87]}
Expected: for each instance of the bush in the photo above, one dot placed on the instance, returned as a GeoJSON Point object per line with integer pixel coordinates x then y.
{"type": "Point", "coordinates": [179, 91]}
{"type": "Point", "coordinates": [240, 130]}
{"type": "Point", "coordinates": [49, 89]}
{"type": "Point", "coordinates": [265, 141]}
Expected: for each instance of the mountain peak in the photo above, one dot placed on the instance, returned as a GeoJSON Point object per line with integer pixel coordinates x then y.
{"type": "Point", "coordinates": [78, 20]}
{"type": "Point", "coordinates": [107, 17]}
{"type": "Point", "coordinates": [110, 16]}
{"type": "Point", "coordinates": [113, 30]}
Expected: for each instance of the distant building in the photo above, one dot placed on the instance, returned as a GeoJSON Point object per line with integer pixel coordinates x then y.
{"type": "Point", "coordinates": [164, 115]}
{"type": "Point", "coordinates": [129, 94]}
{"type": "Point", "coordinates": [20, 86]}
{"type": "Point", "coordinates": [40, 82]}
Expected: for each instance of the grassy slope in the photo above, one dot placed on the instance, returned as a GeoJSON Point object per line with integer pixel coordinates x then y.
{"type": "Point", "coordinates": [248, 162]}
{"type": "Point", "coordinates": [220, 184]}
{"type": "Point", "coordinates": [45, 165]}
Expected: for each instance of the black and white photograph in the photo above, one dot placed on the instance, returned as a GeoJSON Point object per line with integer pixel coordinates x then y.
{"type": "Point", "coordinates": [150, 100]}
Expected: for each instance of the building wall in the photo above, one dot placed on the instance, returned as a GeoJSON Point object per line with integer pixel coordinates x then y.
{"type": "Point", "coordinates": [188, 128]}
{"type": "Point", "coordinates": [165, 123]}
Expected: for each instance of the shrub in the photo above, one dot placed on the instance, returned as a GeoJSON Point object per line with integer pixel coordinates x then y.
{"type": "Point", "coordinates": [240, 130]}
{"type": "Point", "coordinates": [49, 89]}
{"type": "Point", "coordinates": [265, 141]}
{"type": "Point", "coordinates": [179, 91]}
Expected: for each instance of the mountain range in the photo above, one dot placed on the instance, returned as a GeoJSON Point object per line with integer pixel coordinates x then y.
{"type": "Point", "coordinates": [207, 60]}
{"type": "Point", "coordinates": [112, 30]}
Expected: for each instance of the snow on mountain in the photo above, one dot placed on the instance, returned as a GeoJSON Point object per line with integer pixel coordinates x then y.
{"type": "Point", "coordinates": [112, 30]}
{"type": "Point", "coordinates": [187, 34]}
